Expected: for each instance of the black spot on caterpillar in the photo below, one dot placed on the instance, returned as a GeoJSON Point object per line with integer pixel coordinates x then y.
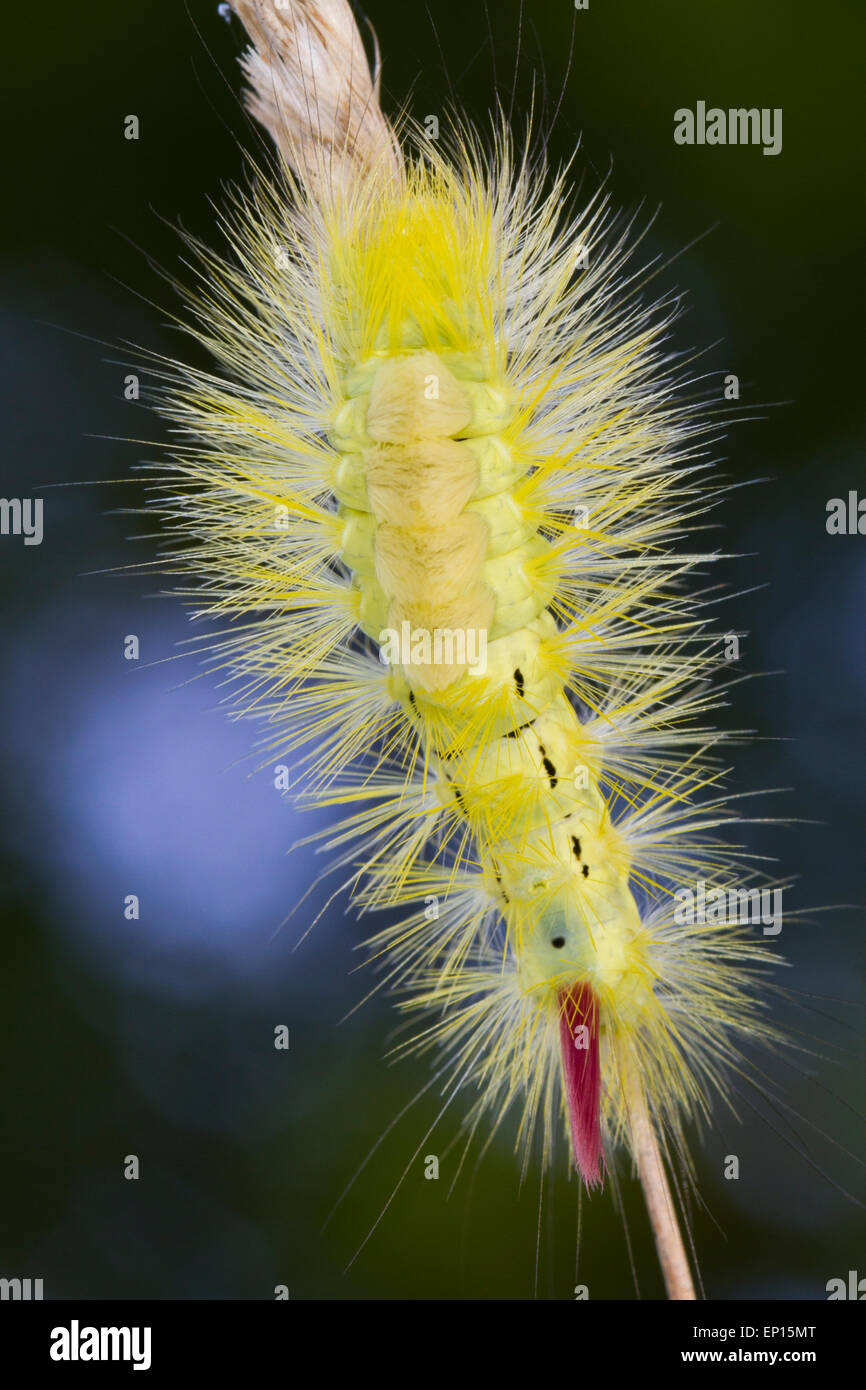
{"type": "Point", "coordinates": [498, 877]}
{"type": "Point", "coordinates": [519, 681]}
{"type": "Point", "coordinates": [514, 733]}
{"type": "Point", "coordinates": [548, 766]}
{"type": "Point", "coordinates": [575, 844]}
{"type": "Point", "coordinates": [586, 871]}
{"type": "Point", "coordinates": [558, 942]}
{"type": "Point", "coordinates": [458, 795]}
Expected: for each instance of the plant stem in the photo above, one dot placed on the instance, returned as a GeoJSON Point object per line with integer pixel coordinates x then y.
{"type": "Point", "coordinates": [662, 1212]}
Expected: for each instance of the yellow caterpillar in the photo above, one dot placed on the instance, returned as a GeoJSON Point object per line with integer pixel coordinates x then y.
{"type": "Point", "coordinates": [447, 428]}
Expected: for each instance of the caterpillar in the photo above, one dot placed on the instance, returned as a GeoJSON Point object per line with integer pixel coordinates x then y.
{"type": "Point", "coordinates": [436, 487]}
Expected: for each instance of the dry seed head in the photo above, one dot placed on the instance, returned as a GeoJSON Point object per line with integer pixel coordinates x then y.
{"type": "Point", "coordinates": [310, 86]}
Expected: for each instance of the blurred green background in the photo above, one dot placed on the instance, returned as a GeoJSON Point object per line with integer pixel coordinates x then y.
{"type": "Point", "coordinates": [155, 1037]}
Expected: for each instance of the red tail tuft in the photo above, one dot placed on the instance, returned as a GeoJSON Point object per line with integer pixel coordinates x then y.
{"type": "Point", "coordinates": [581, 1066]}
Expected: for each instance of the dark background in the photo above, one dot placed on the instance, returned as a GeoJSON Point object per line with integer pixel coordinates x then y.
{"type": "Point", "coordinates": [154, 1037]}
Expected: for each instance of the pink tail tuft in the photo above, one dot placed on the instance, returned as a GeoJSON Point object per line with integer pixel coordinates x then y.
{"type": "Point", "coordinates": [581, 1066]}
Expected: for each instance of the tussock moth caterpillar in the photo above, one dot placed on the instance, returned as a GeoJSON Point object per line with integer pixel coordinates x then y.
{"type": "Point", "coordinates": [441, 432]}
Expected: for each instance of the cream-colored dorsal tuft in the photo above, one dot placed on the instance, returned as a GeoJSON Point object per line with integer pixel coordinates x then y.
{"type": "Point", "coordinates": [416, 397]}
{"type": "Point", "coordinates": [310, 86]}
